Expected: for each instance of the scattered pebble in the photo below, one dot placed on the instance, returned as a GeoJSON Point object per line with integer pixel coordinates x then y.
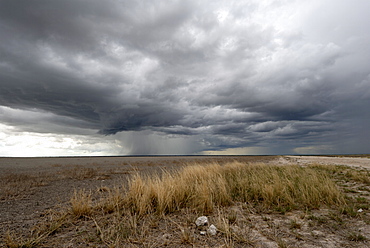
{"type": "Point", "coordinates": [202, 221]}
{"type": "Point", "coordinates": [212, 230]}
{"type": "Point", "coordinates": [166, 236]}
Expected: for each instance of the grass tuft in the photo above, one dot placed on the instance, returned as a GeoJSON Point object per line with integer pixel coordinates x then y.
{"type": "Point", "coordinates": [357, 237]}
{"type": "Point", "coordinates": [81, 204]}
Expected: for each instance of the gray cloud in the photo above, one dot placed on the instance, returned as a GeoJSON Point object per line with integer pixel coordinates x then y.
{"type": "Point", "coordinates": [197, 76]}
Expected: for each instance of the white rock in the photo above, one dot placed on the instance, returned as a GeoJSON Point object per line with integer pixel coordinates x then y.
{"type": "Point", "coordinates": [360, 210]}
{"type": "Point", "coordinates": [166, 236]}
{"type": "Point", "coordinates": [212, 230]}
{"type": "Point", "coordinates": [201, 221]}
{"type": "Point", "coordinates": [203, 232]}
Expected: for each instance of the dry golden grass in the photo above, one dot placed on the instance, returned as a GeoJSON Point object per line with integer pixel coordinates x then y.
{"type": "Point", "coordinates": [359, 176]}
{"type": "Point", "coordinates": [81, 204]}
{"type": "Point", "coordinates": [42, 231]}
{"type": "Point", "coordinates": [11, 241]}
{"type": "Point", "coordinates": [204, 187]}
{"type": "Point", "coordinates": [113, 200]}
{"type": "Point", "coordinates": [345, 172]}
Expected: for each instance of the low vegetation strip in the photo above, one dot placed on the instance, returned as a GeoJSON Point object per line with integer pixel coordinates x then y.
{"type": "Point", "coordinates": [246, 202]}
{"type": "Point", "coordinates": [205, 187]}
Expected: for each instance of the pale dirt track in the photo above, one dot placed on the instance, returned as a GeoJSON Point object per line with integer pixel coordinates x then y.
{"type": "Point", "coordinates": [349, 161]}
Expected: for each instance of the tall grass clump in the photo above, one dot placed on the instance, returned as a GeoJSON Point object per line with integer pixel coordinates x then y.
{"type": "Point", "coordinates": [204, 187]}
{"type": "Point", "coordinates": [199, 187]}
{"type": "Point", "coordinates": [81, 203]}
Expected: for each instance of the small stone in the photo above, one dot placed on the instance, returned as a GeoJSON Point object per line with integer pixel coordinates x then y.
{"type": "Point", "coordinates": [201, 221]}
{"type": "Point", "coordinates": [212, 230]}
{"type": "Point", "coordinates": [203, 232]}
{"type": "Point", "coordinates": [166, 236]}
{"type": "Point", "coordinates": [360, 210]}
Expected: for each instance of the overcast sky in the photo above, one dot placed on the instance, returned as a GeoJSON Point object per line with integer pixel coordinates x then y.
{"type": "Point", "coordinates": [92, 77]}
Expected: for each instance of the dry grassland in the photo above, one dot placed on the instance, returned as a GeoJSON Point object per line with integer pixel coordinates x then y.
{"type": "Point", "coordinates": [251, 204]}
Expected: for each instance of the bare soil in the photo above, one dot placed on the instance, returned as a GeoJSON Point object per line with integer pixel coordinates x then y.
{"type": "Point", "coordinates": [31, 187]}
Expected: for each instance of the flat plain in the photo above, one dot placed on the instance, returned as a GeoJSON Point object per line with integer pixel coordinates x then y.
{"type": "Point", "coordinates": [34, 192]}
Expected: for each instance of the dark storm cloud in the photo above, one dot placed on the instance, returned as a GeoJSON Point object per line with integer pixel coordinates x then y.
{"type": "Point", "coordinates": [41, 67]}
{"type": "Point", "coordinates": [231, 74]}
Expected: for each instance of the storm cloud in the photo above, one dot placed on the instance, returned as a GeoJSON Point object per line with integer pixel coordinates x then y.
{"type": "Point", "coordinates": [186, 77]}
